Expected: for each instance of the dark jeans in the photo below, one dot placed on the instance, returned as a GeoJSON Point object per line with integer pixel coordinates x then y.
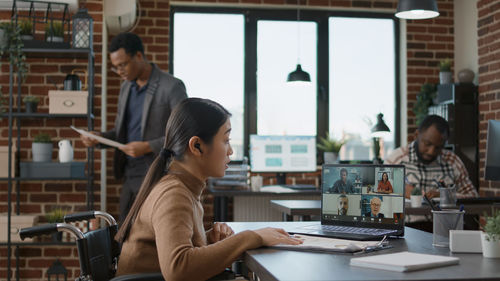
{"type": "Point", "coordinates": [135, 171]}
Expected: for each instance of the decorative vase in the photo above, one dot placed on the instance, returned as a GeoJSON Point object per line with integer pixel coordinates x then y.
{"type": "Point", "coordinates": [445, 77]}
{"type": "Point", "coordinates": [465, 76]}
{"type": "Point", "coordinates": [42, 152]}
{"type": "Point", "coordinates": [491, 249]}
{"type": "Point", "coordinates": [330, 157]}
{"type": "Point", "coordinates": [31, 107]}
{"type": "Point", "coordinates": [416, 201]}
{"type": "Point", "coordinates": [65, 151]}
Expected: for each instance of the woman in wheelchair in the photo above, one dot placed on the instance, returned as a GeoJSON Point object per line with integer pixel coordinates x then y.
{"type": "Point", "coordinates": [164, 229]}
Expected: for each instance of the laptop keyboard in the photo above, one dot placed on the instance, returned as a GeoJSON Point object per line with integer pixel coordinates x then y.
{"type": "Point", "coordinates": [356, 230]}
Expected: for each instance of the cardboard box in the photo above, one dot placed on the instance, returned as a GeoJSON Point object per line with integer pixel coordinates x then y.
{"type": "Point", "coordinates": [4, 161]}
{"type": "Point", "coordinates": [68, 102]}
{"type": "Point", "coordinates": [52, 170]}
{"type": "Point", "coordinates": [16, 223]}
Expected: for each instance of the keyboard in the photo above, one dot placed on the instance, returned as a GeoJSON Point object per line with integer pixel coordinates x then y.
{"type": "Point", "coordinates": [356, 230]}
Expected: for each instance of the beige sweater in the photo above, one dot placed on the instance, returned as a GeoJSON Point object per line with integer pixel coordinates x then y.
{"type": "Point", "coordinates": [168, 234]}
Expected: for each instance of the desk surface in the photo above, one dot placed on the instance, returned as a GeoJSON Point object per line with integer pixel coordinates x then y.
{"type": "Point", "coordinates": [297, 207]}
{"type": "Point", "coordinates": [272, 264]}
{"type": "Point", "coordinates": [264, 191]}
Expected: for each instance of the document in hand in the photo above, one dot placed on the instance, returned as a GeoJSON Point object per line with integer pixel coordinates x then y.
{"type": "Point", "coordinates": [98, 138]}
{"type": "Point", "coordinates": [324, 244]}
{"type": "Point", "coordinates": [404, 261]}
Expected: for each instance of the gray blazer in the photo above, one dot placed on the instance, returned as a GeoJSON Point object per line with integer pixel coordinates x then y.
{"type": "Point", "coordinates": [164, 92]}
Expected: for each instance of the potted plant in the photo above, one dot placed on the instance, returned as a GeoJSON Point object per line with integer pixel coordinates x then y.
{"type": "Point", "coordinates": [425, 98]}
{"type": "Point", "coordinates": [416, 197]}
{"type": "Point", "coordinates": [490, 238]}
{"type": "Point", "coordinates": [330, 148]}
{"type": "Point", "coordinates": [26, 30]}
{"type": "Point", "coordinates": [42, 148]}
{"type": "Point", "coordinates": [31, 103]}
{"type": "Point", "coordinates": [54, 32]}
{"type": "Point", "coordinates": [445, 76]}
{"type": "Point", "coordinates": [56, 216]}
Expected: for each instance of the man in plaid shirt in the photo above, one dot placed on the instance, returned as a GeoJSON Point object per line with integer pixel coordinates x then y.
{"type": "Point", "coordinates": [427, 162]}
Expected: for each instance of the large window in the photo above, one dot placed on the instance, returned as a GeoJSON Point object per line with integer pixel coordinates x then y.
{"type": "Point", "coordinates": [241, 58]}
{"type": "Point", "coordinates": [284, 108]}
{"type": "Point", "coordinates": [362, 82]}
{"type": "Point", "coordinates": [208, 57]}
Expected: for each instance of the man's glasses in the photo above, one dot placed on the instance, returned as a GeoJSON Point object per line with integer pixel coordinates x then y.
{"type": "Point", "coordinates": [120, 67]}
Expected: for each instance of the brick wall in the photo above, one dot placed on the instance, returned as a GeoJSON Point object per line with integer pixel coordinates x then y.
{"type": "Point", "coordinates": [428, 42]}
{"type": "Point", "coordinates": [489, 81]}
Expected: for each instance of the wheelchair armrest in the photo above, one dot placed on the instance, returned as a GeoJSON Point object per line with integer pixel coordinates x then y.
{"type": "Point", "coordinates": [141, 276]}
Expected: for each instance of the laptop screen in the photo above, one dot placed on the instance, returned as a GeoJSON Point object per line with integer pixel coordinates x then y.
{"type": "Point", "coordinates": [363, 195]}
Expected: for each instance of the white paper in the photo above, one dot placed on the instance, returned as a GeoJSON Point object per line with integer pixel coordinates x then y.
{"type": "Point", "coordinates": [316, 243]}
{"type": "Point", "coordinates": [98, 138]}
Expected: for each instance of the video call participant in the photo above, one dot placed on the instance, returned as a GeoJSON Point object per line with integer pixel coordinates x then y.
{"type": "Point", "coordinates": [375, 204]}
{"type": "Point", "coordinates": [385, 186]}
{"type": "Point", "coordinates": [147, 96]}
{"type": "Point", "coordinates": [343, 205]}
{"type": "Point", "coordinates": [427, 162]}
{"type": "Point", "coordinates": [342, 185]}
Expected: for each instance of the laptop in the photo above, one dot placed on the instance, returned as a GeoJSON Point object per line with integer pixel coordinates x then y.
{"type": "Point", "coordinates": [360, 202]}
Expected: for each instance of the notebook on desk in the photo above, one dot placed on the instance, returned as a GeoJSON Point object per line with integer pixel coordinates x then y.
{"type": "Point", "coordinates": [350, 206]}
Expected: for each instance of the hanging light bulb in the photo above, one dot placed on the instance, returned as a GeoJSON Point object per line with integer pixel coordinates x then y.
{"type": "Point", "coordinates": [417, 9]}
{"type": "Point", "coordinates": [298, 75]}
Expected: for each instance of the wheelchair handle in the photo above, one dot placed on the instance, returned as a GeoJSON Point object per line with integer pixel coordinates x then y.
{"type": "Point", "coordinates": [50, 228]}
{"type": "Point", "coordinates": [90, 215]}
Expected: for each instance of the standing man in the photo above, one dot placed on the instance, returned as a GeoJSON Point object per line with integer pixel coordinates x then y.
{"type": "Point", "coordinates": [147, 97]}
{"type": "Point", "coordinates": [427, 162]}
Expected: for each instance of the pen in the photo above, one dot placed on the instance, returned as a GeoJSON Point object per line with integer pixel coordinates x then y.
{"type": "Point", "coordinates": [433, 207]}
{"type": "Point", "coordinates": [458, 216]}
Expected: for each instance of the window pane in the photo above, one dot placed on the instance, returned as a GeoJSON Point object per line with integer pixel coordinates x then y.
{"type": "Point", "coordinates": [285, 108]}
{"type": "Point", "coordinates": [362, 73]}
{"type": "Point", "coordinates": [208, 57]}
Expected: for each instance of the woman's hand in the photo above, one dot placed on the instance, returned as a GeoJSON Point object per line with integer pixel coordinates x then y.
{"type": "Point", "coordinates": [219, 232]}
{"type": "Point", "coordinates": [273, 236]}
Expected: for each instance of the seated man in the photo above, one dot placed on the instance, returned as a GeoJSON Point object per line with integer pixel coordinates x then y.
{"type": "Point", "coordinates": [427, 162]}
{"type": "Point", "coordinates": [343, 205]}
{"type": "Point", "coordinates": [343, 185]}
{"type": "Point", "coordinates": [375, 204]}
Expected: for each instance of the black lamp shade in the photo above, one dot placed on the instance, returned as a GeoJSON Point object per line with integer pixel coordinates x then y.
{"type": "Point", "coordinates": [380, 128]}
{"type": "Point", "coordinates": [298, 75]}
{"type": "Point", "coordinates": [417, 9]}
{"type": "Point", "coordinates": [82, 29]}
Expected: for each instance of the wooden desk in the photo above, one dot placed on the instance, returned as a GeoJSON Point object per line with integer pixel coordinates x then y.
{"type": "Point", "coordinates": [271, 264]}
{"type": "Point", "coordinates": [255, 205]}
{"type": "Point", "coordinates": [302, 208]}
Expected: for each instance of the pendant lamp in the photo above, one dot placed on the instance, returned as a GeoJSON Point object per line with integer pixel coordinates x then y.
{"type": "Point", "coordinates": [298, 75]}
{"type": "Point", "coordinates": [417, 9]}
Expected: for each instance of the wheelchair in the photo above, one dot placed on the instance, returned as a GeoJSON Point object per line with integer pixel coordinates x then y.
{"type": "Point", "coordinates": [98, 251]}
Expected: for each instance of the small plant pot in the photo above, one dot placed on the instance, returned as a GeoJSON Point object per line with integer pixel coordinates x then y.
{"type": "Point", "coordinates": [27, 37]}
{"type": "Point", "coordinates": [491, 249]}
{"type": "Point", "coordinates": [445, 77]}
{"type": "Point", "coordinates": [57, 237]}
{"type": "Point", "coordinates": [31, 107]}
{"type": "Point", "coordinates": [54, 39]}
{"type": "Point", "coordinates": [416, 201]}
{"type": "Point", "coordinates": [42, 152]}
{"type": "Point", "coordinates": [330, 157]}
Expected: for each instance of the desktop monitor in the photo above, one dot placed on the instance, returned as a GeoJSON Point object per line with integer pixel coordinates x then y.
{"type": "Point", "coordinates": [282, 154]}
{"type": "Point", "coordinates": [492, 170]}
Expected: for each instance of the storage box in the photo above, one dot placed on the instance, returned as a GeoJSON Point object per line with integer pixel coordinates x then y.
{"type": "Point", "coordinates": [68, 102]}
{"type": "Point", "coordinates": [16, 223]}
{"type": "Point", "coordinates": [4, 161]}
{"type": "Point", "coordinates": [52, 170]}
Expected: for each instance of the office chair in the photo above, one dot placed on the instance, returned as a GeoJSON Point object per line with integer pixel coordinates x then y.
{"type": "Point", "coordinates": [98, 252]}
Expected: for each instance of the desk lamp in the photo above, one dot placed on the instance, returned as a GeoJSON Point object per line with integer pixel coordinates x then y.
{"type": "Point", "coordinates": [417, 9]}
{"type": "Point", "coordinates": [379, 130]}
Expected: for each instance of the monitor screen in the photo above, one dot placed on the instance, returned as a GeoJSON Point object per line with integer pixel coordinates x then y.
{"type": "Point", "coordinates": [363, 193]}
{"type": "Point", "coordinates": [282, 153]}
{"type": "Point", "coordinates": [492, 169]}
